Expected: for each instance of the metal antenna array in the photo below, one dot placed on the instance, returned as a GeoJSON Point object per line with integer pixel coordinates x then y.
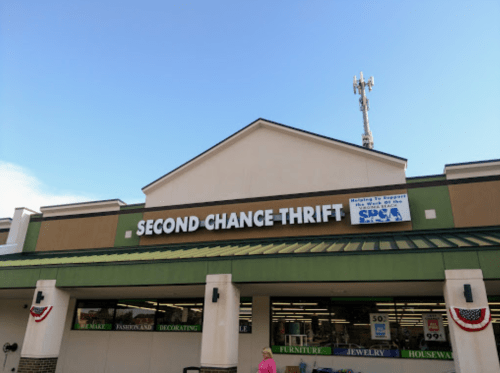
{"type": "Point", "coordinates": [364, 106]}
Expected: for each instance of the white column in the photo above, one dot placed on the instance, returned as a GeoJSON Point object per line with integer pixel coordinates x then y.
{"type": "Point", "coordinates": [43, 339]}
{"type": "Point", "coordinates": [17, 231]}
{"type": "Point", "coordinates": [219, 342]}
{"type": "Point", "coordinates": [472, 351]}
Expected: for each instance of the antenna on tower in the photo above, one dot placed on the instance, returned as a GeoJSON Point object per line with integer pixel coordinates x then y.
{"type": "Point", "coordinates": [364, 106]}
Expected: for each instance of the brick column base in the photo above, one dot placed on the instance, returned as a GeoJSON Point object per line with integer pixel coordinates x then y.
{"type": "Point", "coordinates": [34, 365]}
{"type": "Point", "coordinates": [218, 370]}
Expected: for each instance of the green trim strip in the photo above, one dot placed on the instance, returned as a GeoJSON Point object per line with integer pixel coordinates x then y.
{"type": "Point", "coordinates": [407, 242]}
{"type": "Point", "coordinates": [405, 266]}
{"type": "Point", "coordinates": [31, 237]}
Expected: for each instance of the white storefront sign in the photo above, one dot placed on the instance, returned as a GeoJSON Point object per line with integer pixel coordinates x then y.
{"type": "Point", "coordinates": [380, 327]}
{"type": "Point", "coordinates": [260, 218]}
{"type": "Point", "coordinates": [433, 327]}
{"type": "Point", "coordinates": [379, 209]}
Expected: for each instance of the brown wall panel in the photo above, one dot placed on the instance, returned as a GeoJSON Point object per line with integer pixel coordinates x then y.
{"type": "Point", "coordinates": [278, 230]}
{"type": "Point", "coordinates": [3, 237]}
{"type": "Point", "coordinates": [82, 233]}
{"type": "Point", "coordinates": [475, 204]}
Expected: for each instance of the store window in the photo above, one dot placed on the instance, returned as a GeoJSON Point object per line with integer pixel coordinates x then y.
{"type": "Point", "coordinates": [421, 327]}
{"type": "Point", "coordinates": [165, 315]}
{"type": "Point", "coordinates": [180, 316]}
{"type": "Point", "coordinates": [306, 323]}
{"type": "Point", "coordinates": [245, 315]}
{"type": "Point", "coordinates": [383, 327]}
{"type": "Point", "coordinates": [494, 304]}
{"type": "Point", "coordinates": [135, 315]}
{"type": "Point", "coordinates": [94, 315]}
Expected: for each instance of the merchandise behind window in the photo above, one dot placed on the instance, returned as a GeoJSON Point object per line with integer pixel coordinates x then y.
{"type": "Point", "coordinates": [246, 315]}
{"type": "Point", "coordinates": [494, 303]}
{"type": "Point", "coordinates": [383, 327]}
{"type": "Point", "coordinates": [180, 316]}
{"type": "Point", "coordinates": [161, 315]}
{"type": "Point", "coordinates": [135, 315]}
{"type": "Point", "coordinates": [94, 315]}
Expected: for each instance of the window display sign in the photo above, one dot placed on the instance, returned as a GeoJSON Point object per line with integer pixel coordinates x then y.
{"type": "Point", "coordinates": [433, 327]}
{"type": "Point", "coordinates": [412, 354]}
{"type": "Point", "coordinates": [179, 328]}
{"type": "Point", "coordinates": [365, 352]}
{"type": "Point", "coordinates": [302, 350]}
{"type": "Point", "coordinates": [381, 209]}
{"type": "Point", "coordinates": [380, 328]}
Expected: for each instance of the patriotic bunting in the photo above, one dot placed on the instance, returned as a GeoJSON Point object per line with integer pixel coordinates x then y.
{"type": "Point", "coordinates": [40, 313]}
{"type": "Point", "coordinates": [471, 320]}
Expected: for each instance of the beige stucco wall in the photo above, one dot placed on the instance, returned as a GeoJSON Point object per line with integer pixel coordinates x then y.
{"type": "Point", "coordinates": [13, 321]}
{"type": "Point", "coordinates": [269, 161]}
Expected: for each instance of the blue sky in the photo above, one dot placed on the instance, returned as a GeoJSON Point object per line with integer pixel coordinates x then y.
{"type": "Point", "coordinates": [98, 99]}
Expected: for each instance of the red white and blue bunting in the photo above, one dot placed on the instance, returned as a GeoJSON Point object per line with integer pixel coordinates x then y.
{"type": "Point", "coordinates": [40, 313]}
{"type": "Point", "coordinates": [471, 320]}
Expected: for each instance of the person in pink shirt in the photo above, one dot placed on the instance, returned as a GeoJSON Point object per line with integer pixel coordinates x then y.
{"type": "Point", "coordinates": [267, 365]}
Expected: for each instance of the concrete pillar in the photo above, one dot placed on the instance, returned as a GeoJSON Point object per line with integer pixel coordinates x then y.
{"type": "Point", "coordinates": [42, 341]}
{"type": "Point", "coordinates": [219, 341]}
{"type": "Point", "coordinates": [260, 325]}
{"type": "Point", "coordinates": [17, 231]}
{"type": "Point", "coordinates": [472, 351]}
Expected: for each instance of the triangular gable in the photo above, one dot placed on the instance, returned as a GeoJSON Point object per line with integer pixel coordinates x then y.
{"type": "Point", "coordinates": [266, 158]}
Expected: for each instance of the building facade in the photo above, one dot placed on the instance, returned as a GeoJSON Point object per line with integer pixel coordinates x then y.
{"type": "Point", "coordinates": [278, 237]}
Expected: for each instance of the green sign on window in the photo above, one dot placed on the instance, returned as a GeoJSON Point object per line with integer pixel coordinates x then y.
{"type": "Point", "coordinates": [93, 326]}
{"type": "Point", "coordinates": [416, 354]}
{"type": "Point", "coordinates": [302, 350]}
{"type": "Point", "coordinates": [179, 328]}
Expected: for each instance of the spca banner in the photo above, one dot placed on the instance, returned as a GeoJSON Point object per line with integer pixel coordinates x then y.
{"type": "Point", "coordinates": [379, 209]}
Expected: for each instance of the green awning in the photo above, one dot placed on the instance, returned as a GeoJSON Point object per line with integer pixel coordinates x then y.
{"type": "Point", "coordinates": [475, 239]}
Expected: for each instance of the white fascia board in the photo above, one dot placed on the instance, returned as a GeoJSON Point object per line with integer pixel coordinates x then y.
{"type": "Point", "coordinates": [395, 161]}
{"type": "Point", "coordinates": [82, 208]}
{"type": "Point", "coordinates": [5, 223]}
{"type": "Point", "coordinates": [477, 169]}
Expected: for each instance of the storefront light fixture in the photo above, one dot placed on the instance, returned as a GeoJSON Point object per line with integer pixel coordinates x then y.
{"type": "Point", "coordinates": [305, 304]}
{"type": "Point", "coordinates": [422, 304]}
{"type": "Point", "coordinates": [468, 293]}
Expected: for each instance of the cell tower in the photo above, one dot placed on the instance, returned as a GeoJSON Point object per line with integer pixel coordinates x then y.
{"type": "Point", "coordinates": [364, 106]}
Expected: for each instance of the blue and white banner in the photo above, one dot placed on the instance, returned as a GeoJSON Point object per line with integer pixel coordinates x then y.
{"type": "Point", "coordinates": [380, 327]}
{"type": "Point", "coordinates": [365, 352]}
{"type": "Point", "coordinates": [379, 209]}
